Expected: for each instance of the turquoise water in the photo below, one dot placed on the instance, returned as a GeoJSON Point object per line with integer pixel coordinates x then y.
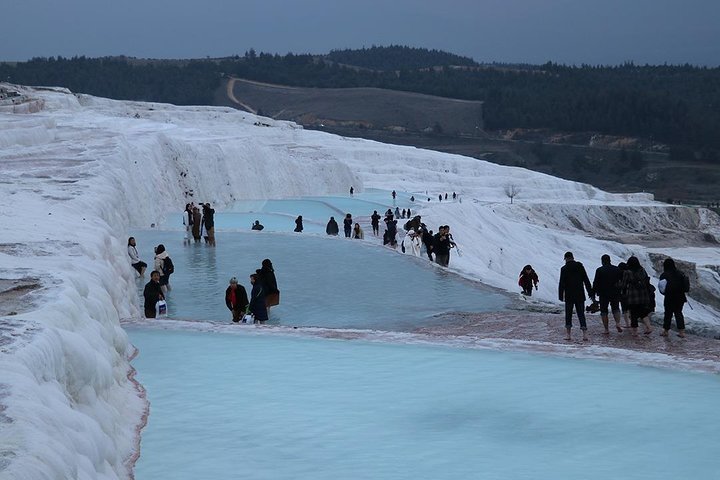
{"type": "Point", "coordinates": [274, 407]}
{"type": "Point", "coordinates": [324, 281]}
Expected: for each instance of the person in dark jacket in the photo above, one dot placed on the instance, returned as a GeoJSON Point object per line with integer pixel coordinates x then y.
{"type": "Point", "coordinates": [375, 222]}
{"type": "Point", "coordinates": [570, 290]}
{"type": "Point", "coordinates": [257, 300]}
{"type": "Point", "coordinates": [257, 226]}
{"type": "Point", "coordinates": [298, 224]}
{"type": "Point", "coordinates": [638, 292]}
{"type": "Point", "coordinates": [528, 278]}
{"type": "Point", "coordinates": [197, 224]}
{"type": "Point", "coordinates": [236, 300]}
{"type": "Point", "coordinates": [606, 286]}
{"type": "Point", "coordinates": [428, 240]}
{"type": "Point", "coordinates": [266, 275]}
{"type": "Point", "coordinates": [347, 225]}
{"type": "Point", "coordinates": [152, 294]}
{"type": "Point", "coordinates": [676, 286]}
{"type": "Point", "coordinates": [332, 227]}
{"type": "Point", "coordinates": [441, 247]}
{"type": "Point", "coordinates": [209, 223]}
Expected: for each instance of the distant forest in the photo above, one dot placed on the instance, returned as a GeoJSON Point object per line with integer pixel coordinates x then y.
{"type": "Point", "coordinates": [678, 105]}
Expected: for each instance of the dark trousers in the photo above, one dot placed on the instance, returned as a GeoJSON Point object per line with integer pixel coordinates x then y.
{"type": "Point", "coordinates": [579, 306]}
{"type": "Point", "coordinates": [443, 260]}
{"type": "Point", "coordinates": [150, 313]}
{"type": "Point", "coordinates": [139, 266]}
{"type": "Point", "coordinates": [674, 308]}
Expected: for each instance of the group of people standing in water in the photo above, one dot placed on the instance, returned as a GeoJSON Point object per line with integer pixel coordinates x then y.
{"type": "Point", "coordinates": [623, 289]}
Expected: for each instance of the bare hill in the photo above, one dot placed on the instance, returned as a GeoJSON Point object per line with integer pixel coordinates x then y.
{"type": "Point", "coordinates": [371, 108]}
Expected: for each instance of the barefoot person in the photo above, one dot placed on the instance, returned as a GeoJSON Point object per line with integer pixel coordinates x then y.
{"type": "Point", "coordinates": [636, 285]}
{"type": "Point", "coordinates": [676, 286]}
{"type": "Point", "coordinates": [570, 290]}
{"type": "Point", "coordinates": [135, 261]}
{"type": "Point", "coordinates": [606, 285]}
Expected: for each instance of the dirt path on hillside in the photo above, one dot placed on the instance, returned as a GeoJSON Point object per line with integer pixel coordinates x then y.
{"type": "Point", "coordinates": [231, 95]}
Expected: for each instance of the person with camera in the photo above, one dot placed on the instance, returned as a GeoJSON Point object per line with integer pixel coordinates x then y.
{"type": "Point", "coordinates": [442, 245]}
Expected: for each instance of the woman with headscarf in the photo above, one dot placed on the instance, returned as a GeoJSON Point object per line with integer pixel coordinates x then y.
{"type": "Point", "coordinates": [639, 294]}
{"type": "Point", "coordinates": [266, 274]}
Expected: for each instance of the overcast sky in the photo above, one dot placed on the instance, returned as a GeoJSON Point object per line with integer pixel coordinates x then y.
{"type": "Point", "coordinates": [528, 31]}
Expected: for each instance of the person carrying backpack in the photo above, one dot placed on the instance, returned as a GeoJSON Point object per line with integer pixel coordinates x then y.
{"type": "Point", "coordinates": [674, 284]}
{"type": "Point", "coordinates": [164, 265]}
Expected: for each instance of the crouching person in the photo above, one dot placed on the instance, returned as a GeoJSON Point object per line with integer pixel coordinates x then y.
{"type": "Point", "coordinates": [152, 294]}
{"type": "Point", "coordinates": [236, 300]}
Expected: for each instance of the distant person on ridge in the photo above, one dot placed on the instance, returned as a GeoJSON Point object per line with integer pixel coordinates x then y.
{"type": "Point", "coordinates": [394, 195]}
{"type": "Point", "coordinates": [528, 278]}
{"type": "Point", "coordinates": [257, 226]}
{"type": "Point", "coordinates": [606, 286]}
{"type": "Point", "coordinates": [135, 261]}
{"type": "Point", "coordinates": [152, 294]}
{"type": "Point", "coordinates": [298, 224]}
{"type": "Point", "coordinates": [332, 227]}
{"type": "Point", "coordinates": [352, 190]}
{"type": "Point", "coordinates": [570, 290]}
{"type": "Point", "coordinates": [236, 299]}
{"type": "Point", "coordinates": [412, 198]}
{"type": "Point", "coordinates": [375, 222]}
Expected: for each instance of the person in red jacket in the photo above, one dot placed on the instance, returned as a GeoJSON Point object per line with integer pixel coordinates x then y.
{"type": "Point", "coordinates": [236, 299]}
{"type": "Point", "coordinates": [527, 279]}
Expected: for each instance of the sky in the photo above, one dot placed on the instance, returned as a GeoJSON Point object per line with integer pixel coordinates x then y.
{"type": "Point", "coordinates": [513, 31]}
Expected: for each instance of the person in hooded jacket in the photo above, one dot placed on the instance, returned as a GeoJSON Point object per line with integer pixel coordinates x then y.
{"type": "Point", "coordinates": [298, 224]}
{"type": "Point", "coordinates": [640, 299]}
{"type": "Point", "coordinates": [332, 227]}
{"type": "Point", "coordinates": [527, 279]}
{"type": "Point", "coordinates": [677, 285]}
{"type": "Point", "coordinates": [266, 275]}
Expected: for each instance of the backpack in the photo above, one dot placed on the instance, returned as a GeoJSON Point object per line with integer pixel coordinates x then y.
{"type": "Point", "coordinates": [168, 266]}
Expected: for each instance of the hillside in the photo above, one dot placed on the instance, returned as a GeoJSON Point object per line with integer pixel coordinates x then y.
{"type": "Point", "coordinates": [356, 108]}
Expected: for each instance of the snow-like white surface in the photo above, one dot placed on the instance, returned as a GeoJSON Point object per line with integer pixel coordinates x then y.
{"type": "Point", "coordinates": [79, 173]}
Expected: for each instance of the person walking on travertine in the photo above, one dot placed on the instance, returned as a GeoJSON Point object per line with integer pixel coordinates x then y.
{"type": "Point", "coordinates": [570, 290]}
{"type": "Point", "coordinates": [606, 286]}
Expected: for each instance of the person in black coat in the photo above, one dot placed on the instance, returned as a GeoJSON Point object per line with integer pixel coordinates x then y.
{"type": "Point", "coordinates": [236, 300]}
{"type": "Point", "coordinates": [441, 247]}
{"type": "Point", "coordinates": [332, 227]}
{"type": "Point", "coordinates": [428, 239]}
{"type": "Point", "coordinates": [257, 226]}
{"type": "Point", "coordinates": [676, 286]}
{"type": "Point", "coordinates": [347, 225]}
{"type": "Point", "coordinates": [298, 224]}
{"type": "Point", "coordinates": [606, 286]}
{"type": "Point", "coordinates": [570, 290]}
{"type": "Point", "coordinates": [266, 276]}
{"type": "Point", "coordinates": [152, 294]}
{"type": "Point", "coordinates": [257, 300]}
{"type": "Point", "coordinates": [375, 222]}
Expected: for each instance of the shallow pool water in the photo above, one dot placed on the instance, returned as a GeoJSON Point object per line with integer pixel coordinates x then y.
{"type": "Point", "coordinates": [324, 281]}
{"type": "Point", "coordinates": [279, 214]}
{"type": "Point", "coordinates": [275, 407]}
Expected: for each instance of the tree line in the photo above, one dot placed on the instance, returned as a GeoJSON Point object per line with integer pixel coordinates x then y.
{"type": "Point", "coordinates": [678, 105]}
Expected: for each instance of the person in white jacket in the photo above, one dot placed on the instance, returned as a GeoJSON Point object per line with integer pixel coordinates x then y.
{"type": "Point", "coordinates": [412, 242]}
{"type": "Point", "coordinates": [135, 261]}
